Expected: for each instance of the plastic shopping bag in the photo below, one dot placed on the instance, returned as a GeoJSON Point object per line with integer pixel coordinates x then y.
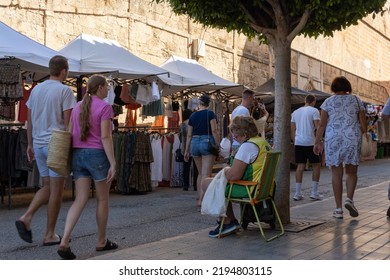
{"type": "Point", "coordinates": [213, 202]}
{"type": "Point", "coordinates": [225, 148]}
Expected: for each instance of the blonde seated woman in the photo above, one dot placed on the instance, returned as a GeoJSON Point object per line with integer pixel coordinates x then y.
{"type": "Point", "coordinates": [247, 164]}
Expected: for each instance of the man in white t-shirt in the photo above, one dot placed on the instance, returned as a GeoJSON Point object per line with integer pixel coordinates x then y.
{"type": "Point", "coordinates": [49, 108]}
{"type": "Point", "coordinates": [304, 122]}
{"type": "Point", "coordinates": [247, 101]}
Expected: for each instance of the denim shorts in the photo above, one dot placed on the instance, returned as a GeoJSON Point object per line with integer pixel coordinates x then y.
{"type": "Point", "coordinates": [200, 145]}
{"type": "Point", "coordinates": [90, 163]}
{"type": "Point", "coordinates": [40, 155]}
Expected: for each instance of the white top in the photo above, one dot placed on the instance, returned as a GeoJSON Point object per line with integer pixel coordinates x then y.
{"type": "Point", "coordinates": [47, 102]}
{"type": "Point", "coordinates": [240, 111]}
{"type": "Point", "coordinates": [247, 152]}
{"type": "Point", "coordinates": [304, 118]}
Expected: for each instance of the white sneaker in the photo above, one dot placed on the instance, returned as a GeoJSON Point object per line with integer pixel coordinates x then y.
{"type": "Point", "coordinates": [338, 214]}
{"type": "Point", "coordinates": [316, 197]}
{"type": "Point", "coordinates": [298, 197]}
{"type": "Point", "coordinates": [351, 207]}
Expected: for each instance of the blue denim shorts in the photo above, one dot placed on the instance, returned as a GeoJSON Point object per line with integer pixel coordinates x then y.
{"type": "Point", "coordinates": [200, 145]}
{"type": "Point", "coordinates": [90, 163]}
{"type": "Point", "coordinates": [40, 155]}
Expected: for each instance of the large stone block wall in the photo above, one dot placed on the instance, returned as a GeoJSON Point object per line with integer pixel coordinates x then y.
{"type": "Point", "coordinates": [153, 33]}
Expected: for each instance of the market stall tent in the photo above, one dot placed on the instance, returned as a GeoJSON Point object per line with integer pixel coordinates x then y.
{"type": "Point", "coordinates": [297, 95]}
{"type": "Point", "coordinates": [191, 68]}
{"type": "Point", "coordinates": [99, 55]}
{"type": "Point", "coordinates": [33, 57]}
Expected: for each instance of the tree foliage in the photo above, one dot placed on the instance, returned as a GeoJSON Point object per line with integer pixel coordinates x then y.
{"type": "Point", "coordinates": [259, 17]}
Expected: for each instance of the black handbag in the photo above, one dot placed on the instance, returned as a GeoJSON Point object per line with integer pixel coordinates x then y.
{"type": "Point", "coordinates": [179, 156]}
{"type": "Point", "coordinates": [213, 148]}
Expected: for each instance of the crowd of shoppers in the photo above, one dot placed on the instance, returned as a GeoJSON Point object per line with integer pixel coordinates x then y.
{"type": "Point", "coordinates": [337, 131]}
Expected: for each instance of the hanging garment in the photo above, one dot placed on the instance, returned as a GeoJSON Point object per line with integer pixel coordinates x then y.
{"type": "Point", "coordinates": [167, 156]}
{"type": "Point", "coordinates": [155, 92]}
{"type": "Point", "coordinates": [131, 118]}
{"type": "Point", "coordinates": [7, 111]}
{"type": "Point", "coordinates": [144, 94]}
{"type": "Point", "coordinates": [177, 167]}
{"type": "Point", "coordinates": [111, 95]}
{"type": "Point", "coordinates": [22, 103]}
{"type": "Point", "coordinates": [156, 165]}
{"type": "Point", "coordinates": [168, 108]}
{"type": "Point", "coordinates": [173, 121]}
{"type": "Point", "coordinates": [21, 160]}
{"type": "Point", "coordinates": [158, 122]}
{"type": "Point", "coordinates": [140, 177]}
{"type": "Point", "coordinates": [153, 109]}
{"type": "Point", "coordinates": [175, 106]}
{"type": "Point", "coordinates": [125, 96]}
{"type": "Point", "coordinates": [10, 83]}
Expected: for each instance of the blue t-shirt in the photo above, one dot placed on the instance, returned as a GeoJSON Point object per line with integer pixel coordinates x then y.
{"type": "Point", "coordinates": [198, 121]}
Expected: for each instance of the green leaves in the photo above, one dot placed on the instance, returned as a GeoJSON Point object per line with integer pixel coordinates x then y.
{"type": "Point", "coordinates": [276, 15]}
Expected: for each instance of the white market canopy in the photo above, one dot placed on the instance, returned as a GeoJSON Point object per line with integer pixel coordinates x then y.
{"type": "Point", "coordinates": [18, 49]}
{"type": "Point", "coordinates": [191, 68]}
{"type": "Point", "coordinates": [99, 55]}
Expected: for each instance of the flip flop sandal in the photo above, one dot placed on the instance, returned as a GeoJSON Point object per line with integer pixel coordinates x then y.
{"type": "Point", "coordinates": [51, 243]}
{"type": "Point", "coordinates": [24, 234]}
{"type": "Point", "coordinates": [109, 246]}
{"type": "Point", "coordinates": [66, 253]}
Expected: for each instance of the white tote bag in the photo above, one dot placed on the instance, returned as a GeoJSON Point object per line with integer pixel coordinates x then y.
{"type": "Point", "coordinates": [213, 202]}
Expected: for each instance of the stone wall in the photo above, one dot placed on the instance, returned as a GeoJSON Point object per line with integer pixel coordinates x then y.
{"type": "Point", "coordinates": [153, 33]}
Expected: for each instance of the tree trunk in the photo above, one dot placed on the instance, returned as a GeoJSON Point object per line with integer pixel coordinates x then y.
{"type": "Point", "coordinates": [282, 124]}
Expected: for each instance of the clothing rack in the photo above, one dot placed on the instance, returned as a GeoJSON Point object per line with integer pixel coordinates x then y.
{"type": "Point", "coordinates": [9, 125]}
{"type": "Point", "coordinates": [138, 127]}
{"type": "Point", "coordinates": [168, 129]}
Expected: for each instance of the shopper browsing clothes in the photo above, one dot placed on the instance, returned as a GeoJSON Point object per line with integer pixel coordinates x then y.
{"type": "Point", "coordinates": [183, 140]}
{"type": "Point", "coordinates": [202, 130]}
{"type": "Point", "coordinates": [93, 159]}
{"type": "Point", "coordinates": [343, 120]}
{"type": "Point", "coordinates": [49, 107]}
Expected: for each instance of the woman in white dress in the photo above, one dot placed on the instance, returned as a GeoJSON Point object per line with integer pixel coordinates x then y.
{"type": "Point", "coordinates": [343, 121]}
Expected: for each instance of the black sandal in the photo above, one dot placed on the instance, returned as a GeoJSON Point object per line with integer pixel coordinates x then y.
{"type": "Point", "coordinates": [66, 253]}
{"type": "Point", "coordinates": [109, 246]}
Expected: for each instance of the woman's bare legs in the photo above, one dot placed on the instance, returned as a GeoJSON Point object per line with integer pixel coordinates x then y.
{"type": "Point", "coordinates": [82, 187]}
{"type": "Point", "coordinates": [207, 169]}
{"type": "Point", "coordinates": [102, 200]}
{"type": "Point", "coordinates": [198, 163]}
{"type": "Point", "coordinates": [351, 179]}
{"type": "Point", "coordinates": [204, 164]}
{"type": "Point", "coordinates": [337, 184]}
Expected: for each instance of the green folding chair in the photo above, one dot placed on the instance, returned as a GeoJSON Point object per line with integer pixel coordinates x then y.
{"type": "Point", "coordinates": [258, 192]}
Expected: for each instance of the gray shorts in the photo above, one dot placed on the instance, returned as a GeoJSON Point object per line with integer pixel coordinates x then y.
{"type": "Point", "coordinates": [40, 155]}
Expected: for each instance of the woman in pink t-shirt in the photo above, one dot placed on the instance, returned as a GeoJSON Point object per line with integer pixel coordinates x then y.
{"type": "Point", "coordinates": [93, 159]}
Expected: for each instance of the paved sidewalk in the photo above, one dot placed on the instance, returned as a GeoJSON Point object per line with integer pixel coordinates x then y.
{"type": "Point", "coordinates": [366, 237]}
